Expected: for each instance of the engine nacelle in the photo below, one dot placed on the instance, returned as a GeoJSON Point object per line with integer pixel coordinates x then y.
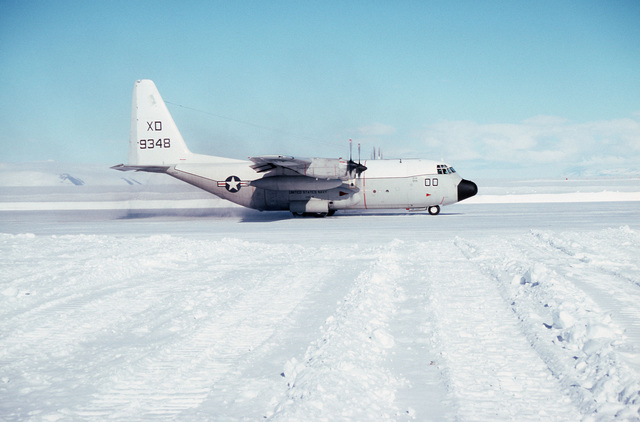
{"type": "Point", "coordinates": [295, 183]}
{"type": "Point", "coordinates": [344, 204]}
{"type": "Point", "coordinates": [313, 205]}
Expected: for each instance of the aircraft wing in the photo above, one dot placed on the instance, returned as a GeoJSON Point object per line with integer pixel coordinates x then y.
{"type": "Point", "coordinates": [319, 168]}
{"type": "Point", "coordinates": [265, 163]}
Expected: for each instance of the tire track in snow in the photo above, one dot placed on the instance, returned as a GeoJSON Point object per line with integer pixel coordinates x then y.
{"type": "Point", "coordinates": [47, 330]}
{"type": "Point", "coordinates": [611, 251]}
{"type": "Point", "coordinates": [576, 337]}
{"type": "Point", "coordinates": [490, 368]}
{"type": "Point", "coordinates": [344, 374]}
{"type": "Point", "coordinates": [256, 385]}
{"type": "Point", "coordinates": [146, 326]}
{"type": "Point", "coordinates": [178, 378]}
{"type": "Point", "coordinates": [605, 271]}
{"type": "Point", "coordinates": [423, 392]}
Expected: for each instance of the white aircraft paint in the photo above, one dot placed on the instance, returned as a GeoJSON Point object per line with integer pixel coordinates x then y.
{"type": "Point", "coordinates": [317, 186]}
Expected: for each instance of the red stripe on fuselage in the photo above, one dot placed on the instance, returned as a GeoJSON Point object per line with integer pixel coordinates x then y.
{"type": "Point", "coordinates": [364, 191]}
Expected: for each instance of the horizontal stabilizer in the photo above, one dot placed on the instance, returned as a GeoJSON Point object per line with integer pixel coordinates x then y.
{"type": "Point", "coordinates": [149, 169]}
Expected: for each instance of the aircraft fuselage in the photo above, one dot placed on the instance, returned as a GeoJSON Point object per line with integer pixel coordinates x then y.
{"type": "Point", "coordinates": [413, 184]}
{"type": "Point", "coordinates": [317, 186]}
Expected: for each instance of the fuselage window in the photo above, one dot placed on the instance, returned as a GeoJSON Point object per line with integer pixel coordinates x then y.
{"type": "Point", "coordinates": [435, 182]}
{"type": "Point", "coordinates": [427, 182]}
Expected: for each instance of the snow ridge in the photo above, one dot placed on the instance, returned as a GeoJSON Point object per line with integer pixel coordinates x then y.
{"type": "Point", "coordinates": [354, 385]}
{"type": "Point", "coordinates": [569, 312]}
{"type": "Point", "coordinates": [490, 369]}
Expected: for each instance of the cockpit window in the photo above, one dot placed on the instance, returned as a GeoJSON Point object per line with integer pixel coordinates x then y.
{"type": "Point", "coordinates": [444, 169]}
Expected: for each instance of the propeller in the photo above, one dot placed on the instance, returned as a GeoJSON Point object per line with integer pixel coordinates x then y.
{"type": "Point", "coordinates": [352, 165]}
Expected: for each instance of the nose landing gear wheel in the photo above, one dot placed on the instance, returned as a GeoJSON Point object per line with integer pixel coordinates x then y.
{"type": "Point", "coordinates": [434, 210]}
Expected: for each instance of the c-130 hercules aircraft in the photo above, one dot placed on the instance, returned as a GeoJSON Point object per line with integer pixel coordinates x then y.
{"type": "Point", "coordinates": [304, 186]}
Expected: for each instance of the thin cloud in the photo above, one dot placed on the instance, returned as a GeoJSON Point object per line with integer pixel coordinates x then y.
{"type": "Point", "coordinates": [376, 129]}
{"type": "Point", "coordinates": [541, 140]}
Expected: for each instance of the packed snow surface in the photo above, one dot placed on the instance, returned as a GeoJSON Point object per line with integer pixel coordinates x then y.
{"type": "Point", "coordinates": [521, 311]}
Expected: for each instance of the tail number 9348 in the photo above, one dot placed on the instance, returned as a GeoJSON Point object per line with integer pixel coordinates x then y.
{"type": "Point", "coordinates": [154, 143]}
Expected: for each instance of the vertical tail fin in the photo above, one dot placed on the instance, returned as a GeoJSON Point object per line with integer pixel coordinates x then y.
{"type": "Point", "coordinates": [154, 138]}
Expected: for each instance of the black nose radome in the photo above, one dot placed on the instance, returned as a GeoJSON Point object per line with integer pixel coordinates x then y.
{"type": "Point", "coordinates": [466, 189]}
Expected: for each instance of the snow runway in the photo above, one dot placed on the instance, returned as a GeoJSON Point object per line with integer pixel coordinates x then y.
{"type": "Point", "coordinates": [486, 312]}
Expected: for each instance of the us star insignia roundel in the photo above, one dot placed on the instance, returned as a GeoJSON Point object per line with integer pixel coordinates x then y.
{"type": "Point", "coordinates": [232, 184]}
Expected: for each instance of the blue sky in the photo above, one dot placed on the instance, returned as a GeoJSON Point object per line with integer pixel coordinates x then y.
{"type": "Point", "coordinates": [493, 88]}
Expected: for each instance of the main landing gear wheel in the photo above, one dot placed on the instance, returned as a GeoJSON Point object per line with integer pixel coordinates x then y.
{"type": "Point", "coordinates": [434, 210]}
{"type": "Point", "coordinates": [314, 214]}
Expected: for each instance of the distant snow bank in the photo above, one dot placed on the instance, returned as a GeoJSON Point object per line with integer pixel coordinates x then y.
{"type": "Point", "coordinates": [61, 187]}
{"type": "Point", "coordinates": [603, 196]}
{"type": "Point", "coordinates": [510, 191]}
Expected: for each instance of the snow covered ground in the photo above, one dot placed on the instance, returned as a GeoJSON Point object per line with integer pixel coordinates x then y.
{"type": "Point", "coordinates": [501, 308]}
